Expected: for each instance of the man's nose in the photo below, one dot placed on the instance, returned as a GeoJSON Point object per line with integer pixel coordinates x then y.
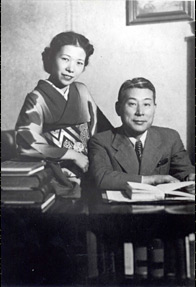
{"type": "Point", "coordinates": [139, 110]}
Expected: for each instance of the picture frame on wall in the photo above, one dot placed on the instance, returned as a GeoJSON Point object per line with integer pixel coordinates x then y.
{"type": "Point", "coordinates": [155, 11]}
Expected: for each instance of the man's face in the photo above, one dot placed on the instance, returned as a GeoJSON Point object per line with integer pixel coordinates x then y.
{"type": "Point", "coordinates": [137, 109]}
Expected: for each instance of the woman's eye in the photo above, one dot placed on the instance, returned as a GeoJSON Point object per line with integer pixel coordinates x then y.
{"type": "Point", "coordinates": [65, 59]}
{"type": "Point", "coordinates": [80, 63]}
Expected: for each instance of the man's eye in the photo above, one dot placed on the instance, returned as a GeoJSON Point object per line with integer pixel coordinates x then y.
{"type": "Point", "coordinates": [131, 104]}
{"type": "Point", "coordinates": [147, 104]}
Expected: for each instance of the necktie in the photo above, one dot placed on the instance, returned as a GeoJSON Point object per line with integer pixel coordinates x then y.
{"type": "Point", "coordinates": [138, 150]}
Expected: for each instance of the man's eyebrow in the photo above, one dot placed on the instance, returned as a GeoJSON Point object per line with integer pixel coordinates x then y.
{"type": "Point", "coordinates": [64, 54]}
{"type": "Point", "coordinates": [133, 98]}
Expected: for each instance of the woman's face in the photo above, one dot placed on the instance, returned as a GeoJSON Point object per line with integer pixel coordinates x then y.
{"type": "Point", "coordinates": [68, 64]}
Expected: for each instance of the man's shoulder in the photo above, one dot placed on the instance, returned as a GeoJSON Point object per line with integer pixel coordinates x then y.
{"type": "Point", "coordinates": [164, 131]}
{"type": "Point", "coordinates": [105, 135]}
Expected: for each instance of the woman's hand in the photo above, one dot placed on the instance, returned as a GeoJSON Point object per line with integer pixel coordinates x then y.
{"type": "Point", "coordinates": [158, 179]}
{"type": "Point", "coordinates": [79, 159]}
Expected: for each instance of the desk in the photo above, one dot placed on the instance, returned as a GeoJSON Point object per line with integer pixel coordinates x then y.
{"type": "Point", "coordinates": [115, 224]}
{"type": "Point", "coordinates": [42, 249]}
{"type": "Point", "coordinates": [53, 248]}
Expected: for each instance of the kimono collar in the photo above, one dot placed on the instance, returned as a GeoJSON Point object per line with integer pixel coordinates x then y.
{"type": "Point", "coordinates": [73, 111]}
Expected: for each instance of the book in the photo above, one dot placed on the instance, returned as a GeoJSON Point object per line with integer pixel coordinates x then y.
{"type": "Point", "coordinates": [31, 204]}
{"type": "Point", "coordinates": [180, 258]}
{"type": "Point", "coordinates": [26, 182]}
{"type": "Point", "coordinates": [140, 261]}
{"type": "Point", "coordinates": [106, 261]}
{"type": "Point", "coordinates": [110, 262]}
{"type": "Point", "coordinates": [119, 274]}
{"type": "Point", "coordinates": [128, 259]}
{"type": "Point", "coordinates": [19, 168]}
{"type": "Point", "coordinates": [101, 258]}
{"type": "Point", "coordinates": [137, 192]}
{"type": "Point", "coordinates": [92, 254]}
{"type": "Point", "coordinates": [187, 254]}
{"type": "Point", "coordinates": [192, 255]}
{"type": "Point", "coordinates": [24, 195]}
{"type": "Point", "coordinates": [156, 259]}
{"type": "Point", "coordinates": [161, 190]}
{"type": "Point", "coordinates": [170, 259]}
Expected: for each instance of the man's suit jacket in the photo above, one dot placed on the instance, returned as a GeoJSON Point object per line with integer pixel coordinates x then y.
{"type": "Point", "coordinates": [113, 160]}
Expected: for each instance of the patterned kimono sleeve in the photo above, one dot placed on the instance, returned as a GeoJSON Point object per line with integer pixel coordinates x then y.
{"type": "Point", "coordinates": [98, 122]}
{"type": "Point", "coordinates": [29, 130]}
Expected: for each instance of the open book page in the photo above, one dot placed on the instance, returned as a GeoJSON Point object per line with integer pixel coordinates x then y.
{"type": "Point", "coordinates": [166, 189]}
{"type": "Point", "coordinates": [170, 187]}
{"type": "Point", "coordinates": [118, 196]}
{"type": "Point", "coordinates": [145, 192]}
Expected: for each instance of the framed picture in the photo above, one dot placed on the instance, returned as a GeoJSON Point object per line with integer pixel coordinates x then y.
{"type": "Point", "coordinates": [155, 11]}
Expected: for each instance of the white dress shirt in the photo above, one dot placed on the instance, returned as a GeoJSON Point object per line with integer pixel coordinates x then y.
{"type": "Point", "coordinates": [142, 139]}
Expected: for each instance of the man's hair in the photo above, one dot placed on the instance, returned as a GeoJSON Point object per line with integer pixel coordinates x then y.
{"type": "Point", "coordinates": [140, 83]}
{"type": "Point", "coordinates": [62, 39]}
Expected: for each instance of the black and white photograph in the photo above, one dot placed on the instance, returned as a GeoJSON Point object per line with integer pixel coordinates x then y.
{"type": "Point", "coordinates": [97, 143]}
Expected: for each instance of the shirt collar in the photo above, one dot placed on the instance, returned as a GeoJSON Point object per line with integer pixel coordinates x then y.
{"type": "Point", "coordinates": [142, 139]}
{"type": "Point", "coordinates": [64, 93]}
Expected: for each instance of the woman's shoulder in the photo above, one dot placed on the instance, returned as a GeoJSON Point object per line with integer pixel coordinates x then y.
{"type": "Point", "coordinates": [34, 99]}
{"type": "Point", "coordinates": [82, 89]}
{"type": "Point", "coordinates": [80, 84]}
{"type": "Point", "coordinates": [35, 96]}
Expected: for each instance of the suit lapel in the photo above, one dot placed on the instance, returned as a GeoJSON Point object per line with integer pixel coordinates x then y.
{"type": "Point", "coordinates": [125, 153]}
{"type": "Point", "coordinates": [151, 153]}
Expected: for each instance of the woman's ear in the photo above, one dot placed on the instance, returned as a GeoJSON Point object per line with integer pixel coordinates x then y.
{"type": "Point", "coordinates": [117, 106]}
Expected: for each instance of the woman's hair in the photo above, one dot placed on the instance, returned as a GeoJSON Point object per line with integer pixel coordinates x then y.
{"type": "Point", "coordinates": [140, 83]}
{"type": "Point", "coordinates": [62, 39]}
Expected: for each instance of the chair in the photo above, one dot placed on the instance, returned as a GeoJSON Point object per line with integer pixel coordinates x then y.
{"type": "Point", "coordinates": [8, 145]}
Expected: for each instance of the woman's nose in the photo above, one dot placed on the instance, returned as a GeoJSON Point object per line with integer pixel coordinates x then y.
{"type": "Point", "coordinates": [70, 67]}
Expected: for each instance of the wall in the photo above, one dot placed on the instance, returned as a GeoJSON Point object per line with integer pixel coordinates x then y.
{"type": "Point", "coordinates": [155, 51]}
{"type": "Point", "coordinates": [27, 28]}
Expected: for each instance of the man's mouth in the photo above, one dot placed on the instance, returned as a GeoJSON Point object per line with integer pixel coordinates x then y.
{"type": "Point", "coordinates": [139, 122]}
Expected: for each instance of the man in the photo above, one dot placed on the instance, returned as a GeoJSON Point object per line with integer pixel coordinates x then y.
{"type": "Point", "coordinates": [138, 151]}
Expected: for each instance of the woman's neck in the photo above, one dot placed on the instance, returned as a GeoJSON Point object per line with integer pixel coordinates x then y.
{"type": "Point", "coordinates": [63, 89]}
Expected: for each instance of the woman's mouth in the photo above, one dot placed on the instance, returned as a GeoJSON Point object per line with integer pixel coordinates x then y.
{"type": "Point", "coordinates": [66, 77]}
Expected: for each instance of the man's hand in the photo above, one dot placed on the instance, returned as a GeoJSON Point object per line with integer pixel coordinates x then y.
{"type": "Point", "coordinates": [190, 177]}
{"type": "Point", "coordinates": [190, 188]}
{"type": "Point", "coordinates": [158, 179]}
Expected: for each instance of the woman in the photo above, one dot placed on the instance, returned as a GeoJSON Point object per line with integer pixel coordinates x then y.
{"type": "Point", "coordinates": [59, 115]}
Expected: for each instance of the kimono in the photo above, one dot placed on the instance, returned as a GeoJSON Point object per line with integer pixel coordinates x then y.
{"type": "Point", "coordinates": [48, 125]}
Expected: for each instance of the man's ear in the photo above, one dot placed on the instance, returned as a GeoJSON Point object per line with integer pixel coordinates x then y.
{"type": "Point", "coordinates": [117, 106]}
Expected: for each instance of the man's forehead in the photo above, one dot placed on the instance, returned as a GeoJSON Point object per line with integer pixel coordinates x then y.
{"type": "Point", "coordinates": [137, 93]}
